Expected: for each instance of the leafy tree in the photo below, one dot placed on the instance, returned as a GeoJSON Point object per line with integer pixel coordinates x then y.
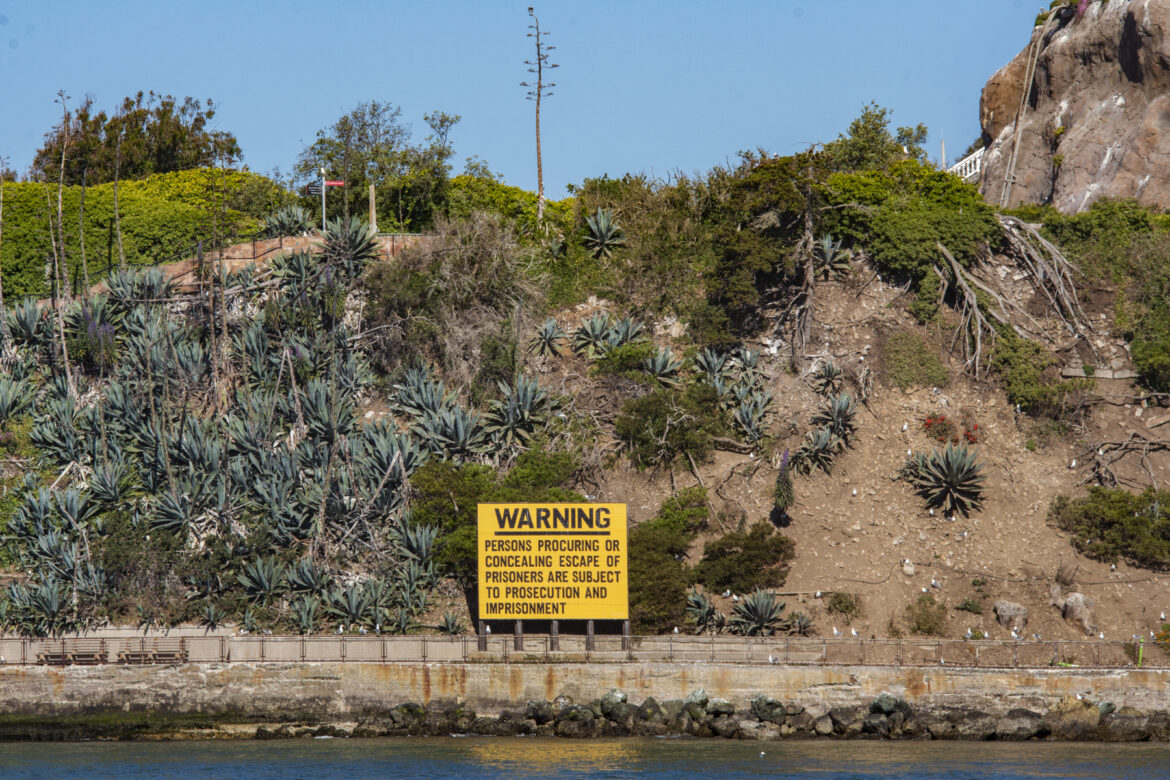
{"type": "Point", "coordinates": [371, 145]}
{"type": "Point", "coordinates": [745, 560]}
{"type": "Point", "coordinates": [159, 134]}
{"type": "Point", "coordinates": [870, 145]}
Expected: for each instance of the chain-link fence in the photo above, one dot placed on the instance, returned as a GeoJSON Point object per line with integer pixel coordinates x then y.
{"type": "Point", "coordinates": [989, 654]}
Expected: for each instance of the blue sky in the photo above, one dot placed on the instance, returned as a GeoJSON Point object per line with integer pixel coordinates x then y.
{"type": "Point", "coordinates": [644, 86]}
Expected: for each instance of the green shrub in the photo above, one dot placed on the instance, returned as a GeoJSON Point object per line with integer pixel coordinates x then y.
{"type": "Point", "coordinates": [926, 616]}
{"type": "Point", "coordinates": [970, 604]}
{"type": "Point", "coordinates": [745, 560]}
{"type": "Point", "coordinates": [446, 495]}
{"type": "Point", "coordinates": [670, 423]}
{"type": "Point", "coordinates": [911, 362]}
{"type": "Point", "coordinates": [685, 513]}
{"type": "Point", "coordinates": [626, 359]}
{"type": "Point", "coordinates": [1111, 523]}
{"type": "Point", "coordinates": [1150, 346]}
{"type": "Point", "coordinates": [1029, 378]}
{"type": "Point", "coordinates": [847, 605]}
{"type": "Point", "coordinates": [902, 213]}
{"type": "Point", "coordinates": [658, 579]}
{"type": "Point", "coordinates": [161, 215]}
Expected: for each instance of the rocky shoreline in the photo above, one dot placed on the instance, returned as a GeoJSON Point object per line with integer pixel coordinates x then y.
{"type": "Point", "coordinates": [613, 715]}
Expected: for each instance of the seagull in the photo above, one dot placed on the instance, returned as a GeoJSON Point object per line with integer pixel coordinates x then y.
{"type": "Point", "coordinates": [771, 660]}
{"type": "Point", "coordinates": [854, 491]}
{"type": "Point", "coordinates": [935, 584]}
{"type": "Point", "coordinates": [1101, 635]}
{"type": "Point", "coordinates": [932, 513]}
{"type": "Point", "coordinates": [924, 590]}
{"type": "Point", "coordinates": [968, 634]}
{"type": "Point", "coordinates": [853, 631]}
{"type": "Point", "coordinates": [268, 632]}
{"type": "Point", "coordinates": [1080, 697]}
{"type": "Point", "coordinates": [817, 595]}
{"type": "Point", "coordinates": [1113, 567]}
{"type": "Point", "coordinates": [362, 631]}
{"type": "Point", "coordinates": [836, 632]}
{"type": "Point", "coordinates": [1073, 465]}
{"type": "Point", "coordinates": [1162, 616]}
{"type": "Point", "coordinates": [734, 598]}
{"type": "Point", "coordinates": [1151, 635]}
{"type": "Point", "coordinates": [1101, 452]}
{"type": "Point", "coordinates": [487, 629]}
{"type": "Point", "coordinates": [941, 662]}
{"type": "Point", "coordinates": [338, 631]}
{"type": "Point", "coordinates": [727, 593]}
{"type": "Point", "coordinates": [905, 426]}
{"type": "Point", "coordinates": [762, 754]}
{"type": "Point", "coordinates": [909, 453]}
{"type": "Point", "coordinates": [676, 629]}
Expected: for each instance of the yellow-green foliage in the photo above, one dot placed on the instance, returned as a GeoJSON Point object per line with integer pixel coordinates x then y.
{"type": "Point", "coordinates": [910, 362]}
{"type": "Point", "coordinates": [161, 215]}
{"type": "Point", "coordinates": [906, 211]}
{"type": "Point", "coordinates": [467, 194]}
{"type": "Point", "coordinates": [1110, 523]}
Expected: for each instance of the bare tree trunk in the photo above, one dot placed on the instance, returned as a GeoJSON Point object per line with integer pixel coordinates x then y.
{"type": "Point", "coordinates": [81, 238]}
{"type": "Point", "coordinates": [62, 348]}
{"type": "Point", "coordinates": [117, 213]}
{"type": "Point", "coordinates": [539, 164]}
{"type": "Point", "coordinates": [62, 269]}
{"type": "Point", "coordinates": [3, 319]}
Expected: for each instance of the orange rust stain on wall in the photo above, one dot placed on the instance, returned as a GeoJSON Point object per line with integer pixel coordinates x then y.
{"type": "Point", "coordinates": [426, 685]}
{"type": "Point", "coordinates": [550, 683]}
{"type": "Point", "coordinates": [917, 685]}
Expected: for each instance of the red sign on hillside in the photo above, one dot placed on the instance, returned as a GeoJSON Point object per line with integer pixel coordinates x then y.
{"type": "Point", "coordinates": [334, 184]}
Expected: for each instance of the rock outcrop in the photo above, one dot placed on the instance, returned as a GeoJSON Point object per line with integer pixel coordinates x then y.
{"type": "Point", "coordinates": [1097, 120]}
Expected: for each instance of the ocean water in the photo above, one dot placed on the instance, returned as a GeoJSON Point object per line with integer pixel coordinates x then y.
{"type": "Point", "coordinates": [487, 758]}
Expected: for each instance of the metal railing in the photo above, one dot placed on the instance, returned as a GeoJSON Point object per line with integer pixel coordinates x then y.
{"type": "Point", "coordinates": [784, 650]}
{"type": "Point", "coordinates": [970, 167]}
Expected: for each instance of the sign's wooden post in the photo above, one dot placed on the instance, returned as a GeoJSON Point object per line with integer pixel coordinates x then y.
{"type": "Point", "coordinates": [589, 636]}
{"type": "Point", "coordinates": [554, 636]}
{"type": "Point", "coordinates": [625, 635]}
{"type": "Point", "coordinates": [518, 636]}
{"type": "Point", "coordinates": [482, 637]}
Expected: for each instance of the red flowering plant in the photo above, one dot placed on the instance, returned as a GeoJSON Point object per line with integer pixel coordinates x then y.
{"type": "Point", "coordinates": [943, 429]}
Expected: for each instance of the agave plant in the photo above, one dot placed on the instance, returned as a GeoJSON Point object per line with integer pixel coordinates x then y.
{"type": "Point", "coordinates": [548, 340]}
{"type": "Point", "coordinates": [950, 479]}
{"type": "Point", "coordinates": [288, 221]}
{"type": "Point", "coordinates": [453, 434]}
{"type": "Point", "coordinates": [830, 260]}
{"type": "Point", "coordinates": [306, 612]}
{"type": "Point", "coordinates": [800, 624]}
{"type": "Point", "coordinates": [711, 364]}
{"type": "Point", "coordinates": [262, 578]}
{"type": "Point", "coordinates": [305, 576]}
{"type": "Point", "coordinates": [418, 541]}
{"type": "Point", "coordinates": [758, 614]}
{"type": "Point", "coordinates": [349, 246]}
{"type": "Point", "coordinates": [623, 331]}
{"type": "Point", "coordinates": [25, 322]}
{"type": "Point", "coordinates": [604, 236]}
{"type": "Point", "coordinates": [590, 340]}
{"type": "Point", "coordinates": [829, 378]}
{"type": "Point", "coordinates": [512, 420]}
{"type": "Point", "coordinates": [351, 604]}
{"type": "Point", "coordinates": [817, 451]}
{"type": "Point", "coordinates": [451, 624]}
{"type": "Point", "coordinates": [212, 617]}
{"type": "Point", "coordinates": [839, 416]}
{"type": "Point", "coordinates": [663, 366]}
{"type": "Point", "coordinates": [15, 398]}
{"type": "Point", "coordinates": [750, 418]}
{"type": "Point", "coordinates": [702, 613]}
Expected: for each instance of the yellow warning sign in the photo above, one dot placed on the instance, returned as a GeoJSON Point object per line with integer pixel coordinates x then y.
{"type": "Point", "coordinates": [553, 562]}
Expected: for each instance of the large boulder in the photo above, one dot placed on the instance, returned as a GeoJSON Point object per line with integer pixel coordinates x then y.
{"type": "Point", "coordinates": [1096, 123]}
{"type": "Point", "coordinates": [1078, 608]}
{"type": "Point", "coordinates": [1011, 615]}
{"type": "Point", "coordinates": [1018, 724]}
{"type": "Point", "coordinates": [1073, 719]}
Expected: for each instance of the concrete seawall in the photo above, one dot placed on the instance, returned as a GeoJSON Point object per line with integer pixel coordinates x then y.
{"type": "Point", "coordinates": [339, 691]}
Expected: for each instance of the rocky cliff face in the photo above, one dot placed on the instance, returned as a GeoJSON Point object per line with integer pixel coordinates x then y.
{"type": "Point", "coordinates": [1097, 119]}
